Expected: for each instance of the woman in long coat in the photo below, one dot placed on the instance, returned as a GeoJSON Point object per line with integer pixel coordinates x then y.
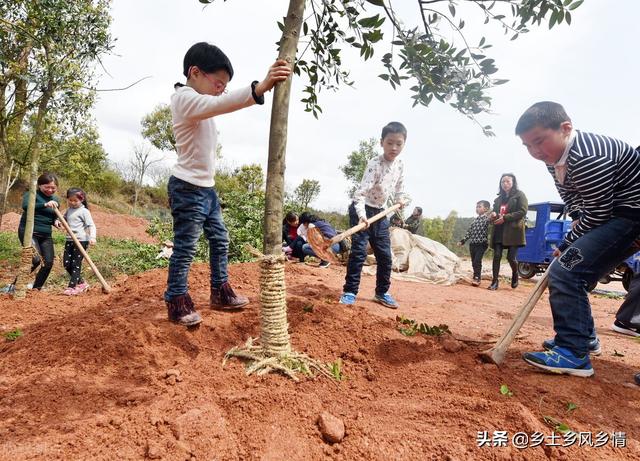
{"type": "Point", "coordinates": [507, 230]}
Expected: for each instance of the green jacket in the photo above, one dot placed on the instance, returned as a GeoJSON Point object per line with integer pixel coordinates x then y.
{"type": "Point", "coordinates": [513, 227]}
{"type": "Point", "coordinates": [44, 217]}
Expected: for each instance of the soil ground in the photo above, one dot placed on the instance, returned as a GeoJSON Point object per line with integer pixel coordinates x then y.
{"type": "Point", "coordinates": [91, 377]}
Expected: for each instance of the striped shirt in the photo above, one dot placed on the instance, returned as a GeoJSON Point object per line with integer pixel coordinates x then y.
{"type": "Point", "coordinates": [602, 181]}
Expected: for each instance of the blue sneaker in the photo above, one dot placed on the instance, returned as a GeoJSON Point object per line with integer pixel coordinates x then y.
{"type": "Point", "coordinates": [386, 300]}
{"type": "Point", "coordinates": [348, 298]}
{"type": "Point", "coordinates": [594, 346]}
{"type": "Point", "coordinates": [560, 360]}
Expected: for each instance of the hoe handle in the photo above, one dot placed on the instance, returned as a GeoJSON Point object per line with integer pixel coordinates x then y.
{"type": "Point", "coordinates": [359, 227]}
{"type": "Point", "coordinates": [105, 286]}
{"type": "Point", "coordinates": [496, 353]}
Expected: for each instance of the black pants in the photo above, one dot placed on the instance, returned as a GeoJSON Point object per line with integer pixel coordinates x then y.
{"type": "Point", "coordinates": [497, 257]}
{"type": "Point", "coordinates": [43, 244]}
{"type": "Point", "coordinates": [477, 251]}
{"type": "Point", "coordinates": [72, 261]}
{"type": "Point", "coordinates": [629, 312]}
{"type": "Point", "coordinates": [296, 248]}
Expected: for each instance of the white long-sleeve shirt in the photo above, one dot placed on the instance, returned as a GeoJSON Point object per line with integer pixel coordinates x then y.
{"type": "Point", "coordinates": [195, 131]}
{"type": "Point", "coordinates": [81, 223]}
{"type": "Point", "coordinates": [382, 179]}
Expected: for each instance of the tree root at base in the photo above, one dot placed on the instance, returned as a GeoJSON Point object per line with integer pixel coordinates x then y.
{"type": "Point", "coordinates": [289, 364]}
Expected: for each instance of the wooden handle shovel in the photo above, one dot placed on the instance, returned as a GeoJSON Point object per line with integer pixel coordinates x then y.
{"type": "Point", "coordinates": [496, 353]}
{"type": "Point", "coordinates": [105, 286]}
{"type": "Point", "coordinates": [322, 246]}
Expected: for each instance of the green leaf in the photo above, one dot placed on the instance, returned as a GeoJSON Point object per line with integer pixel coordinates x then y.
{"type": "Point", "coordinates": [504, 390]}
{"type": "Point", "coordinates": [575, 5]}
{"type": "Point", "coordinates": [571, 406]}
{"type": "Point", "coordinates": [452, 9]}
{"type": "Point", "coordinates": [13, 334]}
{"type": "Point", "coordinates": [369, 22]}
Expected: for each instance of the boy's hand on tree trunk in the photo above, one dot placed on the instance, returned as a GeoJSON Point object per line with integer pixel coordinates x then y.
{"type": "Point", "coordinates": [278, 72]}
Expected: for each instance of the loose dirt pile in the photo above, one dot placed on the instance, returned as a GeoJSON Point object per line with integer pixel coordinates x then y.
{"type": "Point", "coordinates": [106, 377]}
{"type": "Point", "coordinates": [108, 224]}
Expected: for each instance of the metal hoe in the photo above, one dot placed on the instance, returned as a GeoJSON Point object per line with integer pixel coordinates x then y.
{"type": "Point", "coordinates": [322, 245]}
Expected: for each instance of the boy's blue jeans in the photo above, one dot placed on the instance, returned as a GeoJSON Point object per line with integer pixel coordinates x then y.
{"type": "Point", "coordinates": [378, 236]}
{"type": "Point", "coordinates": [195, 209]}
{"type": "Point", "coordinates": [588, 259]}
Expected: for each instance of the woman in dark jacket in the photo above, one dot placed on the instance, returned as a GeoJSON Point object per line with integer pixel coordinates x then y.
{"type": "Point", "coordinates": [507, 230]}
{"type": "Point", "coordinates": [44, 218]}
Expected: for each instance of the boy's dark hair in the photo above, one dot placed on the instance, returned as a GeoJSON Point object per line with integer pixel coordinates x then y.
{"type": "Point", "coordinates": [419, 209]}
{"type": "Point", "coordinates": [502, 193]}
{"type": "Point", "coordinates": [546, 114]}
{"type": "Point", "coordinates": [394, 127]}
{"type": "Point", "coordinates": [290, 217]}
{"type": "Point", "coordinates": [485, 203]}
{"type": "Point", "coordinates": [79, 194]}
{"type": "Point", "coordinates": [306, 218]}
{"type": "Point", "coordinates": [46, 178]}
{"type": "Point", "coordinates": [209, 58]}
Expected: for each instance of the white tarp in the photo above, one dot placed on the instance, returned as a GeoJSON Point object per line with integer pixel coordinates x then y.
{"type": "Point", "coordinates": [421, 259]}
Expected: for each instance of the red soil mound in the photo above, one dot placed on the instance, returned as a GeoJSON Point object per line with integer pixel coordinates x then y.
{"type": "Point", "coordinates": [118, 226]}
{"type": "Point", "coordinates": [105, 377]}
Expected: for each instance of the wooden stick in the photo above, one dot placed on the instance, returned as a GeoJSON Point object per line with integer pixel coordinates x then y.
{"type": "Point", "coordinates": [322, 246]}
{"type": "Point", "coordinates": [105, 286]}
{"type": "Point", "coordinates": [359, 227]}
{"type": "Point", "coordinates": [496, 353]}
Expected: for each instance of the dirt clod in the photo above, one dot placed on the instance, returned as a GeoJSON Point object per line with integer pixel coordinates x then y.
{"type": "Point", "coordinates": [452, 345]}
{"type": "Point", "coordinates": [331, 428]}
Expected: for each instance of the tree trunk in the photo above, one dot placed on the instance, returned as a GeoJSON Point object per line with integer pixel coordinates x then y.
{"type": "Point", "coordinates": [33, 179]}
{"type": "Point", "coordinates": [278, 133]}
{"type": "Point", "coordinates": [10, 132]}
{"type": "Point", "coordinates": [4, 182]}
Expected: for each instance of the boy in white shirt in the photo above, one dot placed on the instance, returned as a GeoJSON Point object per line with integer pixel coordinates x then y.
{"type": "Point", "coordinates": [193, 200]}
{"type": "Point", "coordinates": [382, 178]}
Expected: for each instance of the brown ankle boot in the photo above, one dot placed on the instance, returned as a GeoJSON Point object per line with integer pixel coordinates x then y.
{"type": "Point", "coordinates": [182, 311]}
{"type": "Point", "coordinates": [224, 298]}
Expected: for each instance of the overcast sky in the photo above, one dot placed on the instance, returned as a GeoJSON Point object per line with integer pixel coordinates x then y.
{"type": "Point", "coordinates": [591, 67]}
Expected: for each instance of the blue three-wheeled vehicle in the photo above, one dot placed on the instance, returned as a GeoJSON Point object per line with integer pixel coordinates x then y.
{"type": "Point", "coordinates": [546, 225]}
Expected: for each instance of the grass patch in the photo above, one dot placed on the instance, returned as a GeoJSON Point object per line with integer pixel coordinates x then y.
{"type": "Point", "coordinates": [13, 334]}
{"type": "Point", "coordinates": [112, 257]}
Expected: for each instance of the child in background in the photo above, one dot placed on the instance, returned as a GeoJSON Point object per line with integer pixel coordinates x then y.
{"type": "Point", "coordinates": [292, 242]}
{"type": "Point", "coordinates": [81, 224]}
{"type": "Point", "coordinates": [308, 221]}
{"type": "Point", "coordinates": [477, 236]}
{"type": "Point", "coordinates": [194, 203]}
{"type": "Point", "coordinates": [382, 178]}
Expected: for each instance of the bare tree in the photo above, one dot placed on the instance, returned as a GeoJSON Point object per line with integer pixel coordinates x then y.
{"type": "Point", "coordinates": [138, 168]}
{"type": "Point", "coordinates": [159, 174]}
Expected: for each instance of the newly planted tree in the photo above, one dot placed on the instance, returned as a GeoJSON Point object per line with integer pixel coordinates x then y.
{"type": "Point", "coordinates": [448, 70]}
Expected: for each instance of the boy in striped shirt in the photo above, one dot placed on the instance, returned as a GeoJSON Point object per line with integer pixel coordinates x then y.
{"type": "Point", "coordinates": [598, 178]}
